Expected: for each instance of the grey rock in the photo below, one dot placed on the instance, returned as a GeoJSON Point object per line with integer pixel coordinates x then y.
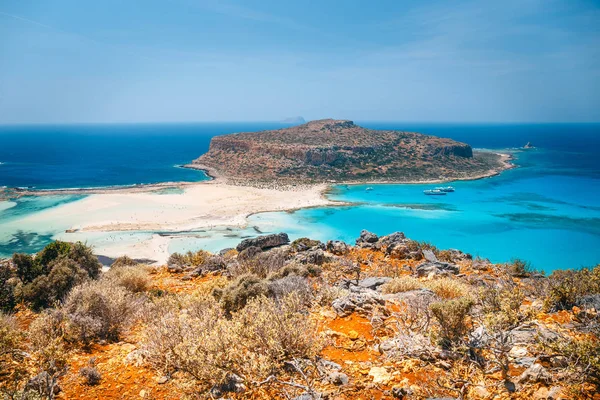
{"type": "Point", "coordinates": [337, 247]}
{"type": "Point", "coordinates": [399, 392]}
{"type": "Point", "coordinates": [366, 237]}
{"type": "Point", "coordinates": [535, 373]}
{"type": "Point", "coordinates": [436, 268]}
{"type": "Point", "coordinates": [429, 256]}
{"type": "Point", "coordinates": [524, 361]}
{"type": "Point", "coordinates": [530, 333]}
{"type": "Point", "coordinates": [264, 242]}
{"type": "Point", "coordinates": [373, 283]}
{"type": "Point", "coordinates": [222, 252]}
{"type": "Point", "coordinates": [393, 238]}
{"type": "Point", "coordinates": [249, 253]}
{"type": "Point", "coordinates": [175, 269]}
{"type": "Point", "coordinates": [312, 256]}
{"type": "Point", "coordinates": [338, 378]}
{"type": "Point", "coordinates": [360, 302]}
{"type": "Point", "coordinates": [330, 364]}
{"type": "Point", "coordinates": [479, 338]}
{"type": "Point", "coordinates": [590, 301]}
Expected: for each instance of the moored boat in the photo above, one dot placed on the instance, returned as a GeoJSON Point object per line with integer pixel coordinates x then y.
{"type": "Point", "coordinates": [446, 189]}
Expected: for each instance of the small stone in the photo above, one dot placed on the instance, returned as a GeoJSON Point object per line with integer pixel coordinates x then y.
{"type": "Point", "coordinates": [142, 393]}
{"type": "Point", "coordinates": [353, 335]}
{"type": "Point", "coordinates": [380, 375]}
{"type": "Point", "coordinates": [338, 378]}
{"type": "Point", "coordinates": [162, 379]}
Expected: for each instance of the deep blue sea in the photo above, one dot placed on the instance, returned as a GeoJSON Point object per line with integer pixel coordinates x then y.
{"type": "Point", "coordinates": [547, 211]}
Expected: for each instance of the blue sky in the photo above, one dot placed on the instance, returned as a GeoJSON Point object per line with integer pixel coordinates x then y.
{"type": "Point", "coordinates": [195, 60]}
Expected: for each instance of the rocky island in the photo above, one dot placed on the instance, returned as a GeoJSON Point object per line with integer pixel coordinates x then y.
{"type": "Point", "coordinates": [341, 151]}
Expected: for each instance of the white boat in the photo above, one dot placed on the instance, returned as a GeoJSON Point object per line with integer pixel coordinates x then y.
{"type": "Point", "coordinates": [434, 192]}
{"type": "Point", "coordinates": [446, 189]}
{"type": "Point", "coordinates": [369, 189]}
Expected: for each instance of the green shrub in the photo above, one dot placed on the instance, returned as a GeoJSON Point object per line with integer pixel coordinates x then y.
{"type": "Point", "coordinates": [447, 288]}
{"type": "Point", "coordinates": [501, 306]}
{"type": "Point", "coordinates": [46, 290]}
{"type": "Point", "coordinates": [451, 316]}
{"type": "Point", "coordinates": [50, 253]}
{"type": "Point", "coordinates": [519, 268]}
{"type": "Point", "coordinates": [189, 259]}
{"type": "Point", "coordinates": [7, 297]}
{"type": "Point", "coordinates": [26, 268]}
{"type": "Point", "coordinates": [85, 258]}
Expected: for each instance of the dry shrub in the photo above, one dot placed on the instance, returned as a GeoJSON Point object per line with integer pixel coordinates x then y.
{"type": "Point", "coordinates": [447, 288]}
{"type": "Point", "coordinates": [261, 265]}
{"type": "Point", "coordinates": [100, 310]}
{"type": "Point", "coordinates": [451, 316]}
{"type": "Point", "coordinates": [133, 278]}
{"type": "Point", "coordinates": [11, 340]}
{"type": "Point", "coordinates": [501, 305]}
{"type": "Point", "coordinates": [90, 374]}
{"type": "Point", "coordinates": [193, 336]}
{"type": "Point", "coordinates": [193, 259]}
{"type": "Point", "coordinates": [567, 288]}
{"type": "Point", "coordinates": [235, 296]}
{"type": "Point", "coordinates": [582, 353]}
{"type": "Point", "coordinates": [123, 261]}
{"type": "Point", "coordinates": [49, 351]}
{"type": "Point", "coordinates": [402, 284]}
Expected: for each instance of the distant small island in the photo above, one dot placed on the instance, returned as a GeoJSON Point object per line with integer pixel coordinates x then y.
{"type": "Point", "coordinates": [329, 150]}
{"type": "Point", "coordinates": [294, 120]}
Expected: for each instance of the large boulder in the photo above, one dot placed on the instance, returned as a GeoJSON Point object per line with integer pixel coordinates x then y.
{"type": "Point", "coordinates": [264, 242]}
{"type": "Point", "coordinates": [392, 238]}
{"type": "Point", "coordinates": [366, 239]}
{"type": "Point", "coordinates": [436, 268]}
{"type": "Point", "coordinates": [313, 256]}
{"type": "Point", "coordinates": [337, 247]}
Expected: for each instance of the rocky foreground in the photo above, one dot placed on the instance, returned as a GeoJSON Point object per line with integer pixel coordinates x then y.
{"type": "Point", "coordinates": [387, 317]}
{"type": "Point", "coordinates": [338, 150]}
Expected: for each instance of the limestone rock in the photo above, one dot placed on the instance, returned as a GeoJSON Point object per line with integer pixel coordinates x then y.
{"type": "Point", "coordinates": [436, 268]}
{"type": "Point", "coordinates": [264, 242]}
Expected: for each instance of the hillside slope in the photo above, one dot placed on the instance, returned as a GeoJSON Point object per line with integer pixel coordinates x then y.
{"type": "Point", "coordinates": [339, 150]}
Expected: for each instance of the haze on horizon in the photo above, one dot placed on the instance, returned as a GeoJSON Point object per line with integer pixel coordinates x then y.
{"type": "Point", "coordinates": [70, 61]}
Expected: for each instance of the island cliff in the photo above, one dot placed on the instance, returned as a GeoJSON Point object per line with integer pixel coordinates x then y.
{"type": "Point", "coordinates": [339, 150]}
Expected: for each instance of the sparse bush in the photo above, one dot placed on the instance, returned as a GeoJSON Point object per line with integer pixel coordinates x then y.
{"type": "Point", "coordinates": [189, 259]}
{"type": "Point", "coordinates": [100, 310]}
{"type": "Point", "coordinates": [45, 290]}
{"type": "Point", "coordinates": [447, 288]}
{"type": "Point", "coordinates": [124, 261]}
{"type": "Point", "coordinates": [280, 288]}
{"type": "Point", "coordinates": [262, 265]}
{"type": "Point", "coordinates": [90, 374]}
{"type": "Point", "coordinates": [582, 353]}
{"type": "Point", "coordinates": [304, 244]}
{"type": "Point", "coordinates": [501, 306]}
{"type": "Point", "coordinates": [133, 278]}
{"type": "Point", "coordinates": [451, 316]}
{"type": "Point", "coordinates": [245, 287]}
{"type": "Point", "coordinates": [11, 340]}
{"type": "Point", "coordinates": [566, 288]}
{"type": "Point", "coordinates": [402, 284]}
{"type": "Point", "coordinates": [191, 336]}
{"type": "Point", "coordinates": [519, 268]}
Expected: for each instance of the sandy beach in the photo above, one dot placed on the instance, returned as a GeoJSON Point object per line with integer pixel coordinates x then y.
{"type": "Point", "coordinates": [205, 205]}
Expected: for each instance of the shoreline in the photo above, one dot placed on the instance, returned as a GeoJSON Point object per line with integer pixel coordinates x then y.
{"type": "Point", "coordinates": [110, 218]}
{"type": "Point", "coordinates": [216, 178]}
